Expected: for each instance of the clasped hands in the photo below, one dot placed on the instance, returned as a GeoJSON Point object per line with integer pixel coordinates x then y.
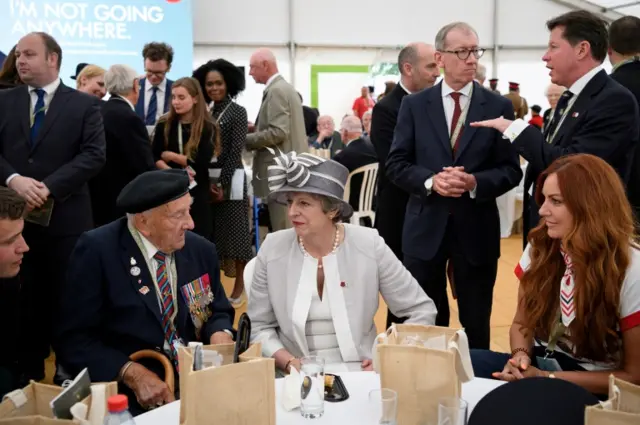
{"type": "Point", "coordinates": [519, 367]}
{"type": "Point", "coordinates": [33, 191]}
{"type": "Point", "coordinates": [452, 182]}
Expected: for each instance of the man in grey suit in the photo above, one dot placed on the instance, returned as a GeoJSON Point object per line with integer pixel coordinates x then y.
{"type": "Point", "coordinates": [278, 128]}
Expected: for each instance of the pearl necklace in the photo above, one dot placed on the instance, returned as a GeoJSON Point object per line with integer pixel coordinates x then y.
{"type": "Point", "coordinates": [336, 239]}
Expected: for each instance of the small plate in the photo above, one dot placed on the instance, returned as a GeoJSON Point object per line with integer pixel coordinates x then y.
{"type": "Point", "coordinates": [338, 392]}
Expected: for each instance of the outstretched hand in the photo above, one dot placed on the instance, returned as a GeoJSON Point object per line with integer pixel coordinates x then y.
{"type": "Point", "coordinates": [501, 124]}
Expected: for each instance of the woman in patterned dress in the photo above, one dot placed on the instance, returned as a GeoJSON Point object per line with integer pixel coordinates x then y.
{"type": "Point", "coordinates": [222, 82]}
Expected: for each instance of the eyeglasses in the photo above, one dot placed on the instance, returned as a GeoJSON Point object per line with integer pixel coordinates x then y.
{"type": "Point", "coordinates": [465, 53]}
{"type": "Point", "coordinates": [156, 73]}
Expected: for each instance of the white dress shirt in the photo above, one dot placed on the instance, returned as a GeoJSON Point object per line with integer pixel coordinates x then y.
{"type": "Point", "coordinates": [518, 126]}
{"type": "Point", "coordinates": [49, 91]}
{"type": "Point", "coordinates": [270, 80]}
{"type": "Point", "coordinates": [449, 105]}
{"type": "Point", "coordinates": [403, 87]}
{"type": "Point", "coordinates": [160, 96]}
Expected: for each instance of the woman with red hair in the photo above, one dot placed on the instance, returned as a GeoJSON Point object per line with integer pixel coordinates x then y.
{"type": "Point", "coordinates": [578, 314]}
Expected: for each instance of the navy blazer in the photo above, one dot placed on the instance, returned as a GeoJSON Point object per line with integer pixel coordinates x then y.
{"type": "Point", "coordinates": [68, 152]}
{"type": "Point", "coordinates": [421, 148]}
{"type": "Point", "coordinates": [143, 93]}
{"type": "Point", "coordinates": [104, 315]}
{"type": "Point", "coordinates": [603, 121]}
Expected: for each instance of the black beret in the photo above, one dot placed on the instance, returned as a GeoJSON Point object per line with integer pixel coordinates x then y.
{"type": "Point", "coordinates": [152, 189]}
{"type": "Point", "coordinates": [534, 401]}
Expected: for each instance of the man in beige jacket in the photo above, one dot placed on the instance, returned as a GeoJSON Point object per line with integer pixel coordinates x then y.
{"type": "Point", "coordinates": [279, 126]}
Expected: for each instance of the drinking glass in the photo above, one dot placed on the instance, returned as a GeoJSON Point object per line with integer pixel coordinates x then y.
{"type": "Point", "coordinates": [384, 404]}
{"type": "Point", "coordinates": [312, 389]}
{"type": "Point", "coordinates": [452, 411]}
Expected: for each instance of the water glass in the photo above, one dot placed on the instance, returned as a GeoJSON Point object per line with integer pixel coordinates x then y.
{"type": "Point", "coordinates": [312, 389]}
{"type": "Point", "coordinates": [384, 404]}
{"type": "Point", "coordinates": [452, 411]}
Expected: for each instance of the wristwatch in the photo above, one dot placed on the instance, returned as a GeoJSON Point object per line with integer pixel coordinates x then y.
{"type": "Point", "coordinates": [551, 375]}
{"type": "Point", "coordinates": [429, 185]}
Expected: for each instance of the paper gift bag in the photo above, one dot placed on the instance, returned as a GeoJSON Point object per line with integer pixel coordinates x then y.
{"type": "Point", "coordinates": [32, 402]}
{"type": "Point", "coordinates": [232, 394]}
{"type": "Point", "coordinates": [622, 407]}
{"type": "Point", "coordinates": [422, 364]}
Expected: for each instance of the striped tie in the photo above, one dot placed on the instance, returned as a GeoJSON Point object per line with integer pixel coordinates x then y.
{"type": "Point", "coordinates": [168, 308]}
{"type": "Point", "coordinates": [567, 287]}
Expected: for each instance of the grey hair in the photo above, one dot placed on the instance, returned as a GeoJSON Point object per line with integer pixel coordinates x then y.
{"type": "Point", "coordinates": [333, 205]}
{"type": "Point", "coordinates": [352, 124]}
{"type": "Point", "coordinates": [441, 37]}
{"type": "Point", "coordinates": [119, 79]}
{"type": "Point", "coordinates": [481, 72]}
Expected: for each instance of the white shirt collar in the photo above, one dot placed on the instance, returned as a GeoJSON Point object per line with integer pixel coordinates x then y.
{"type": "Point", "coordinates": [49, 88]}
{"type": "Point", "coordinates": [446, 90]}
{"type": "Point", "coordinates": [582, 82]}
{"type": "Point", "coordinates": [125, 99]}
{"type": "Point", "coordinates": [150, 249]}
{"type": "Point", "coordinates": [270, 80]}
{"type": "Point", "coordinates": [161, 87]}
{"type": "Point", "coordinates": [403, 87]}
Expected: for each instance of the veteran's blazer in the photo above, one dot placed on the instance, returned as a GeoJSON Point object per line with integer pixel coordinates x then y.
{"type": "Point", "coordinates": [362, 267]}
{"type": "Point", "coordinates": [109, 311]}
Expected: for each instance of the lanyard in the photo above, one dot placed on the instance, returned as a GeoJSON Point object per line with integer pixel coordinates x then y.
{"type": "Point", "coordinates": [556, 333]}
{"type": "Point", "coordinates": [222, 113]}
{"type": "Point", "coordinates": [461, 119]}
{"type": "Point", "coordinates": [180, 138]}
{"type": "Point", "coordinates": [550, 137]}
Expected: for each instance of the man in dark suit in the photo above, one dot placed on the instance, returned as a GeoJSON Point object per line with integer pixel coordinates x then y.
{"type": "Point", "coordinates": [595, 115]}
{"type": "Point", "coordinates": [142, 282]}
{"type": "Point", "coordinates": [454, 174]}
{"type": "Point", "coordinates": [51, 144]}
{"type": "Point", "coordinates": [128, 146]}
{"type": "Point", "coordinates": [624, 55]}
{"type": "Point", "coordinates": [155, 90]}
{"type": "Point", "coordinates": [418, 70]}
{"type": "Point", "coordinates": [12, 250]}
{"type": "Point", "coordinates": [357, 153]}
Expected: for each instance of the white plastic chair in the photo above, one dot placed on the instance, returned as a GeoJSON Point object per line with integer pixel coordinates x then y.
{"type": "Point", "coordinates": [367, 192]}
{"type": "Point", "coordinates": [248, 275]}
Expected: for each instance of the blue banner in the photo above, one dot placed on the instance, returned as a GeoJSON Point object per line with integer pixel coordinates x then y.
{"type": "Point", "coordinates": [104, 32]}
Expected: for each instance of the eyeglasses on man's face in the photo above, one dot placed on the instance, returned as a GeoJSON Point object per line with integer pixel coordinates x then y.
{"type": "Point", "coordinates": [463, 54]}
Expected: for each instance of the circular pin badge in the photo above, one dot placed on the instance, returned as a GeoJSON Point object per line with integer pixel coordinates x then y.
{"type": "Point", "coordinates": [135, 271]}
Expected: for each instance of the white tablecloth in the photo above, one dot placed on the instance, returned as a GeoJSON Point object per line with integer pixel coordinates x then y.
{"type": "Point", "coordinates": [352, 411]}
{"type": "Point", "coordinates": [510, 206]}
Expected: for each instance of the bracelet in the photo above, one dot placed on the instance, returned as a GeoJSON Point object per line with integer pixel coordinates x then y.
{"type": "Point", "coordinates": [124, 370]}
{"type": "Point", "coordinates": [286, 366]}
{"type": "Point", "coordinates": [517, 350]}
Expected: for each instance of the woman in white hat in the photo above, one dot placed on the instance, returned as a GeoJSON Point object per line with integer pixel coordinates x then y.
{"type": "Point", "coordinates": [315, 287]}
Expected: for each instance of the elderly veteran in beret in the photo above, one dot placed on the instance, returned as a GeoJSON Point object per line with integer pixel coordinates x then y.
{"type": "Point", "coordinates": [315, 287]}
{"type": "Point", "coordinates": [142, 282]}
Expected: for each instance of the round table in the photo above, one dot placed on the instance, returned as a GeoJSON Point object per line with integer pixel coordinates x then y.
{"type": "Point", "coordinates": [353, 410]}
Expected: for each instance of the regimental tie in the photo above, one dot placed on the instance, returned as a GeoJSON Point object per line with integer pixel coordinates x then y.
{"type": "Point", "coordinates": [457, 111]}
{"type": "Point", "coordinates": [168, 307]}
{"type": "Point", "coordinates": [567, 288]}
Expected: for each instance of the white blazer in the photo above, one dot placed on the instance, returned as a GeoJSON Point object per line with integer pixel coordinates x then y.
{"type": "Point", "coordinates": [362, 267]}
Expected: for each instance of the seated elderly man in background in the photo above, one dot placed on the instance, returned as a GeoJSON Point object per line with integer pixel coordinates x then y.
{"type": "Point", "coordinates": [357, 153]}
{"type": "Point", "coordinates": [316, 287]}
{"type": "Point", "coordinates": [142, 282]}
{"type": "Point", "coordinates": [12, 249]}
{"type": "Point", "coordinates": [128, 146]}
{"type": "Point", "coordinates": [326, 137]}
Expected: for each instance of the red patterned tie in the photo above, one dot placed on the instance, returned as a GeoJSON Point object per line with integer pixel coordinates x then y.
{"type": "Point", "coordinates": [567, 288]}
{"type": "Point", "coordinates": [457, 110]}
{"type": "Point", "coordinates": [168, 308]}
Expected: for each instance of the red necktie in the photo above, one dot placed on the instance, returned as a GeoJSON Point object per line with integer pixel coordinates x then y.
{"type": "Point", "coordinates": [454, 122]}
{"type": "Point", "coordinates": [167, 303]}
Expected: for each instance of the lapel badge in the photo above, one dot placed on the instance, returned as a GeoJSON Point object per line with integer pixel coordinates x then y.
{"type": "Point", "coordinates": [135, 271]}
{"type": "Point", "coordinates": [575, 114]}
{"type": "Point", "coordinates": [133, 261]}
{"type": "Point", "coordinates": [343, 284]}
{"type": "Point", "coordinates": [144, 290]}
